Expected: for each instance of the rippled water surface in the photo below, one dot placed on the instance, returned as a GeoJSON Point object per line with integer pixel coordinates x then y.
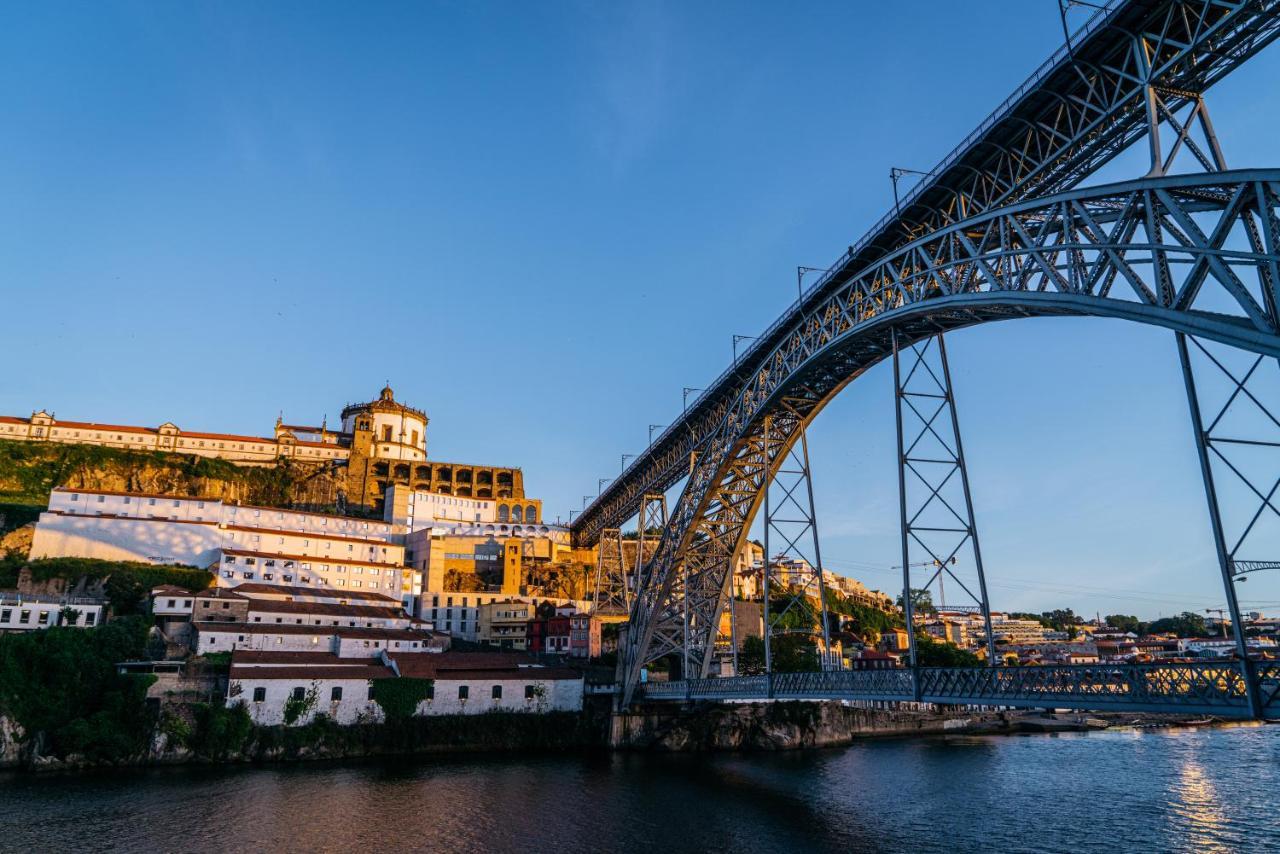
{"type": "Point", "coordinates": [1171, 790]}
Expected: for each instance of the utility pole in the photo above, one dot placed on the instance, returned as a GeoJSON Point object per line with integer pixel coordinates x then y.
{"type": "Point", "coordinates": [1222, 618]}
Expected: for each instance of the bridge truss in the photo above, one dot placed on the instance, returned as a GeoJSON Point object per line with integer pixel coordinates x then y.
{"type": "Point", "coordinates": [989, 234]}
{"type": "Point", "coordinates": [1200, 688]}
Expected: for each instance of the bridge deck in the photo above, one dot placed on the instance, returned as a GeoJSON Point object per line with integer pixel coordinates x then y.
{"type": "Point", "coordinates": [1201, 688]}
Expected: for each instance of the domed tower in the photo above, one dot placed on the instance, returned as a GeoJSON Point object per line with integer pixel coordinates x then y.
{"type": "Point", "coordinates": [388, 444]}
{"type": "Point", "coordinates": [396, 431]}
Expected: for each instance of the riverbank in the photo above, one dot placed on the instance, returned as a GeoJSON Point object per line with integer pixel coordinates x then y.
{"type": "Point", "coordinates": [213, 736]}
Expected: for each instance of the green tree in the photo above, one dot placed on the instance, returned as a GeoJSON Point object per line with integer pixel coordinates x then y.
{"type": "Point", "coordinates": [933, 653]}
{"type": "Point", "coordinates": [921, 601]}
{"type": "Point", "coordinates": [1125, 623]}
{"type": "Point", "coordinates": [1188, 624]}
{"type": "Point", "coordinates": [61, 686]}
{"type": "Point", "coordinates": [299, 706]}
{"type": "Point", "coordinates": [1061, 619]}
{"type": "Point", "coordinates": [795, 653]}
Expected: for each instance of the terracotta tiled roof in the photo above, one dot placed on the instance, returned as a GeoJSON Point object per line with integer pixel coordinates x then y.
{"type": "Point", "coordinates": [254, 590]}
{"type": "Point", "coordinates": [355, 632]}
{"type": "Point", "coordinates": [369, 671]}
{"type": "Point", "coordinates": [475, 665]}
{"type": "Point", "coordinates": [363, 612]}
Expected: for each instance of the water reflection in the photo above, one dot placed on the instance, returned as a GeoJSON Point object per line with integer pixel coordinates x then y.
{"type": "Point", "coordinates": [1100, 792]}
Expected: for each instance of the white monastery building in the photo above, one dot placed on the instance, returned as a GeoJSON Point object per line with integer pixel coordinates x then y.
{"type": "Point", "coordinates": [240, 543]}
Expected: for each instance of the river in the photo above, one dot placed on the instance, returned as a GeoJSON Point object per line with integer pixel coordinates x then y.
{"type": "Point", "coordinates": [1213, 789]}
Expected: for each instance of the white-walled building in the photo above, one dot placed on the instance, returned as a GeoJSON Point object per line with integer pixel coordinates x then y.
{"type": "Point", "coordinates": [458, 614]}
{"type": "Point", "coordinates": [321, 446]}
{"type": "Point", "coordinates": [342, 688]}
{"type": "Point", "coordinates": [25, 612]}
{"type": "Point", "coordinates": [240, 543]}
{"type": "Point", "coordinates": [471, 683]}
{"type": "Point", "coordinates": [418, 510]}
{"type": "Point", "coordinates": [344, 641]}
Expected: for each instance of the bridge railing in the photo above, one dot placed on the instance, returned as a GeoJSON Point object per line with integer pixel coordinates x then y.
{"type": "Point", "coordinates": [1217, 688]}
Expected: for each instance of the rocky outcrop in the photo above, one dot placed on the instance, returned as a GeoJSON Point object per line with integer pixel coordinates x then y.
{"type": "Point", "coordinates": [18, 540]}
{"type": "Point", "coordinates": [29, 470]}
{"type": "Point", "coordinates": [778, 726]}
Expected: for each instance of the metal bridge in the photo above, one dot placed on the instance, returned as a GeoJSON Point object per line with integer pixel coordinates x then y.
{"type": "Point", "coordinates": [998, 230]}
{"type": "Point", "coordinates": [1199, 688]}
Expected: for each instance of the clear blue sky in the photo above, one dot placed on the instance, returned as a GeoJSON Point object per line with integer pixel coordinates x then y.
{"type": "Point", "coordinates": [539, 221]}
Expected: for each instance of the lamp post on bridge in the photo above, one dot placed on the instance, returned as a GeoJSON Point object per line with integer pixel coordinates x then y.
{"type": "Point", "coordinates": [653, 427]}
{"type": "Point", "coordinates": [896, 172]}
{"type": "Point", "coordinates": [801, 272]}
{"type": "Point", "coordinates": [686, 396]}
{"type": "Point", "coordinates": [738, 338]}
{"type": "Point", "coordinates": [624, 461]}
{"type": "Point", "coordinates": [585, 499]}
{"type": "Point", "coordinates": [600, 485]}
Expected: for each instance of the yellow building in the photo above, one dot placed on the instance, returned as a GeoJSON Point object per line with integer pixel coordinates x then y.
{"type": "Point", "coordinates": [505, 623]}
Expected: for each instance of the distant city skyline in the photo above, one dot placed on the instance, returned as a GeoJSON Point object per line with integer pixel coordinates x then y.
{"type": "Point", "coordinates": [540, 222]}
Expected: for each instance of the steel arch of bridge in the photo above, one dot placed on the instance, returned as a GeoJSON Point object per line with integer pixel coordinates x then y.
{"type": "Point", "coordinates": [1133, 62]}
{"type": "Point", "coordinates": [1146, 250]}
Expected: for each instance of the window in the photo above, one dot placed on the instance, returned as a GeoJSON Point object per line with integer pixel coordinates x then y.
{"type": "Point", "coordinates": [299, 693]}
{"type": "Point", "coordinates": [229, 559]}
{"type": "Point", "coordinates": [173, 603]}
{"type": "Point", "coordinates": [102, 498]}
{"type": "Point", "coordinates": [151, 502]}
{"type": "Point", "coordinates": [371, 691]}
{"type": "Point", "coordinates": [75, 497]}
{"type": "Point", "coordinates": [497, 692]}
{"type": "Point", "coordinates": [528, 692]}
{"type": "Point", "coordinates": [336, 694]}
{"type": "Point", "coordinates": [259, 695]}
{"type": "Point", "coordinates": [431, 691]}
{"type": "Point", "coordinates": [24, 617]}
{"type": "Point", "coordinates": [6, 615]}
{"type": "Point", "coordinates": [463, 691]}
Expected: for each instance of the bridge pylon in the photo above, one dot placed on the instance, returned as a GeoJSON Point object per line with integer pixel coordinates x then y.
{"type": "Point", "coordinates": [794, 593]}
{"type": "Point", "coordinates": [611, 596]}
{"type": "Point", "coordinates": [935, 503]}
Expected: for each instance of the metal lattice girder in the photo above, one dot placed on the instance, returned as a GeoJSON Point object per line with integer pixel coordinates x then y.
{"type": "Point", "coordinates": [1076, 112]}
{"type": "Point", "coordinates": [933, 483]}
{"type": "Point", "coordinates": [1214, 687]}
{"type": "Point", "coordinates": [611, 596]}
{"type": "Point", "coordinates": [1162, 251]}
{"type": "Point", "coordinates": [792, 552]}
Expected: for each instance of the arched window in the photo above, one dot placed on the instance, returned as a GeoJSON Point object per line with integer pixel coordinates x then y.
{"type": "Point", "coordinates": [380, 469]}
{"type": "Point", "coordinates": [402, 472]}
{"type": "Point", "coordinates": [484, 476]}
{"type": "Point", "coordinates": [504, 515]}
{"type": "Point", "coordinates": [464, 491]}
{"type": "Point", "coordinates": [484, 492]}
{"type": "Point", "coordinates": [517, 515]}
{"type": "Point", "coordinates": [531, 513]}
{"type": "Point", "coordinates": [422, 472]}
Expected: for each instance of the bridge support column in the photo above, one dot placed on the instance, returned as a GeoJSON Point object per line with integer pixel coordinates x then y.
{"type": "Point", "coordinates": [1208, 447]}
{"type": "Point", "coordinates": [934, 499]}
{"type": "Point", "coordinates": [791, 527]}
{"type": "Point", "coordinates": [611, 595]}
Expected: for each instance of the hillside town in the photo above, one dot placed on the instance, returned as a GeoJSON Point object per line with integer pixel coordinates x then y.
{"type": "Point", "coordinates": [436, 575]}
